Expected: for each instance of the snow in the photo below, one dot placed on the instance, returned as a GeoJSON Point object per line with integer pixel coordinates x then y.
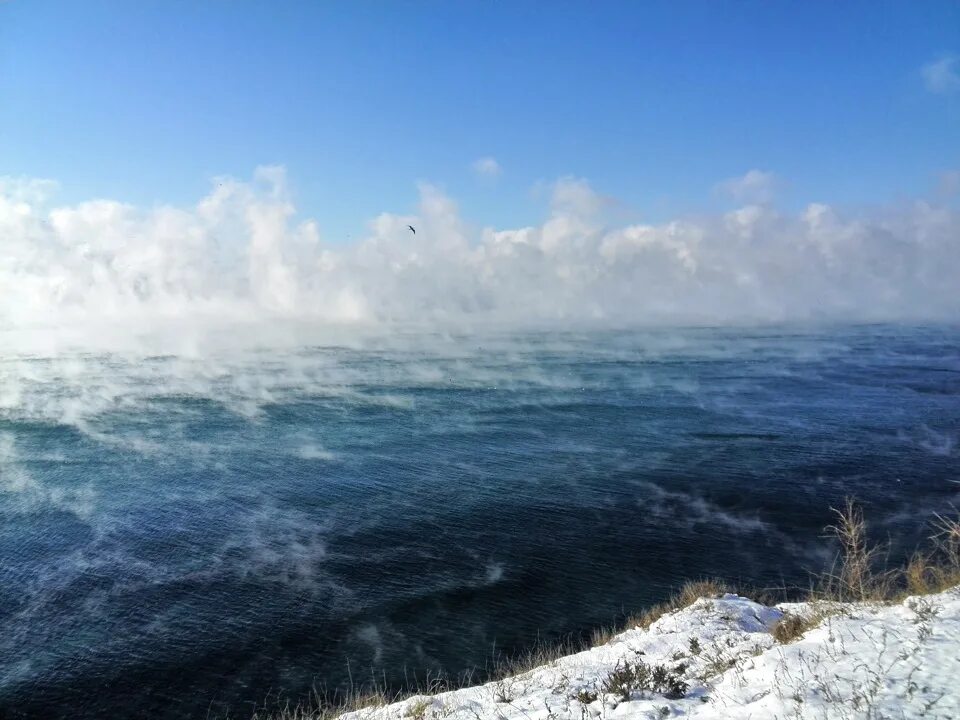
{"type": "Point", "coordinates": [861, 661]}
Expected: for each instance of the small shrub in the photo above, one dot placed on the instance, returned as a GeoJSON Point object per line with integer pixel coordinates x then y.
{"type": "Point", "coordinates": [923, 609]}
{"type": "Point", "coordinates": [585, 697]}
{"type": "Point", "coordinates": [640, 677]}
{"type": "Point", "coordinates": [715, 662]}
{"type": "Point", "coordinates": [625, 678]}
{"type": "Point", "coordinates": [695, 648]}
{"type": "Point", "coordinates": [561, 684]}
{"type": "Point", "coordinates": [503, 691]}
{"type": "Point", "coordinates": [669, 682]}
{"type": "Point", "coordinates": [676, 686]}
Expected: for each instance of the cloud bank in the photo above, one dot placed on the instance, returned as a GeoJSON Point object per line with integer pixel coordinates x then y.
{"type": "Point", "coordinates": [241, 253]}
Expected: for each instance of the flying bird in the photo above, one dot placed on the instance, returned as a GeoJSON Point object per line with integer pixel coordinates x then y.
{"type": "Point", "coordinates": [412, 229]}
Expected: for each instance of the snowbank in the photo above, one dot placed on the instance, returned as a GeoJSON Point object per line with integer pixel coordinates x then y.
{"type": "Point", "coordinates": [861, 661]}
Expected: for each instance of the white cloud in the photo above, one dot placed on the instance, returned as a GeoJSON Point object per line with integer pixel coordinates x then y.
{"type": "Point", "coordinates": [942, 76]}
{"type": "Point", "coordinates": [757, 186]}
{"type": "Point", "coordinates": [240, 253]}
{"type": "Point", "coordinates": [487, 167]}
{"type": "Point", "coordinates": [34, 191]}
{"type": "Point", "coordinates": [574, 195]}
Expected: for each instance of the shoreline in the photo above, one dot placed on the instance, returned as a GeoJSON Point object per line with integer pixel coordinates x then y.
{"type": "Point", "coordinates": [721, 658]}
{"type": "Point", "coordinates": [869, 642]}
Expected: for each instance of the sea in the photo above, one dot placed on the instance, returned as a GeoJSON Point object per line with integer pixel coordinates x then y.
{"type": "Point", "coordinates": [202, 532]}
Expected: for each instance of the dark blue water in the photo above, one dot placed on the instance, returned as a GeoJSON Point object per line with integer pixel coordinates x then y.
{"type": "Point", "coordinates": [184, 536]}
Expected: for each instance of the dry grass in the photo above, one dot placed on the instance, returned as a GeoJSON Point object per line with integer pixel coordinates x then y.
{"type": "Point", "coordinates": [858, 574]}
{"type": "Point", "coordinates": [793, 625]}
{"type": "Point", "coordinates": [363, 697]}
{"type": "Point", "coordinates": [319, 708]}
{"type": "Point", "coordinates": [854, 576]}
{"type": "Point", "coordinates": [789, 628]}
{"type": "Point", "coordinates": [689, 594]}
{"type": "Point", "coordinates": [541, 654]}
{"type": "Point", "coordinates": [417, 710]}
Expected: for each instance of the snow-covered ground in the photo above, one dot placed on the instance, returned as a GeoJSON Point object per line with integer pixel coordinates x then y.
{"type": "Point", "coordinates": [861, 661]}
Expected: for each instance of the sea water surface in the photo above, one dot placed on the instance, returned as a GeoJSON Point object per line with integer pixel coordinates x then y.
{"type": "Point", "coordinates": [190, 534]}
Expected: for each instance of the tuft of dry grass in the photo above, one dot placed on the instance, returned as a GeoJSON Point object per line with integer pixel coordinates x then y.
{"type": "Point", "coordinates": [857, 574]}
{"type": "Point", "coordinates": [917, 573]}
{"type": "Point", "coordinates": [689, 594]}
{"type": "Point", "coordinates": [541, 654]}
{"type": "Point", "coordinates": [361, 697]}
{"type": "Point", "coordinates": [947, 539]}
{"type": "Point", "coordinates": [789, 628]}
{"type": "Point", "coordinates": [854, 576]}
{"type": "Point", "coordinates": [603, 635]}
{"type": "Point", "coordinates": [417, 709]}
{"type": "Point", "coordinates": [926, 574]}
{"type": "Point", "coordinates": [793, 625]}
{"type": "Point", "coordinates": [318, 708]}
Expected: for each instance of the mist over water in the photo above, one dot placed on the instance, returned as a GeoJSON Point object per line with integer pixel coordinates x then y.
{"type": "Point", "coordinates": [103, 272]}
{"type": "Point", "coordinates": [190, 531]}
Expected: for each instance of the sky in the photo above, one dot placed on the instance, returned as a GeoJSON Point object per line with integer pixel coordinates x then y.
{"type": "Point", "coordinates": [604, 163]}
{"type": "Point", "coordinates": [657, 105]}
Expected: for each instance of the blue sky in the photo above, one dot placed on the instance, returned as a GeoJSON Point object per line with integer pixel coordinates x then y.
{"type": "Point", "coordinates": [654, 103]}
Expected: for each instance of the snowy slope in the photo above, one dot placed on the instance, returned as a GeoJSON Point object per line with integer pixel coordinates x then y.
{"type": "Point", "coordinates": [862, 661]}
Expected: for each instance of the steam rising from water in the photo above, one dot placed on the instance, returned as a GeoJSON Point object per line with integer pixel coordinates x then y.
{"type": "Point", "coordinates": [241, 253]}
{"type": "Point", "coordinates": [218, 526]}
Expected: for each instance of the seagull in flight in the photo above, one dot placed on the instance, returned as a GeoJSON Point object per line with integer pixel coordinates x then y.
{"type": "Point", "coordinates": [412, 229]}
